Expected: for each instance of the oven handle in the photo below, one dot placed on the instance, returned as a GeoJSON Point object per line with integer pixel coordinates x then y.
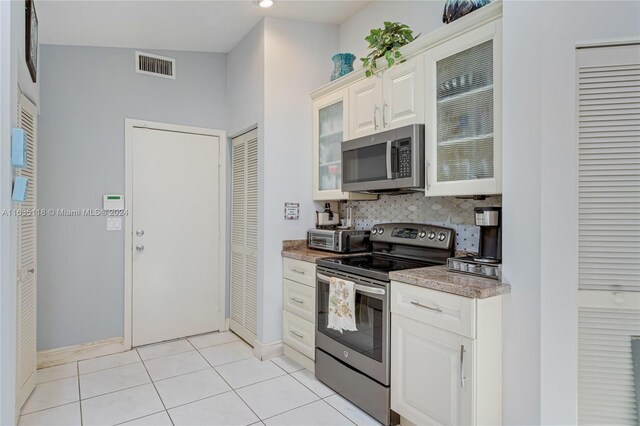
{"type": "Point", "coordinates": [361, 288]}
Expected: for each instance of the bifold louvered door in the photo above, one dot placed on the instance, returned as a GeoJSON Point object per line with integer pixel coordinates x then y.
{"type": "Point", "coordinates": [608, 232]}
{"type": "Point", "coordinates": [26, 260]}
{"type": "Point", "coordinates": [244, 236]}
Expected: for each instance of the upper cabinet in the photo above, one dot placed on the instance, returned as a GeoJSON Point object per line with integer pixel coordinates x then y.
{"type": "Point", "coordinates": [463, 117]}
{"type": "Point", "coordinates": [329, 130]}
{"type": "Point", "coordinates": [391, 98]}
{"type": "Point", "coordinates": [403, 94]}
{"type": "Point", "coordinates": [451, 81]}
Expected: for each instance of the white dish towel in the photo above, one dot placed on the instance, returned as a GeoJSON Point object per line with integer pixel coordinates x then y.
{"type": "Point", "coordinates": [342, 301]}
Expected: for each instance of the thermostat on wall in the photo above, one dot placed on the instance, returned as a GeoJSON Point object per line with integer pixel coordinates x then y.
{"type": "Point", "coordinates": [113, 202]}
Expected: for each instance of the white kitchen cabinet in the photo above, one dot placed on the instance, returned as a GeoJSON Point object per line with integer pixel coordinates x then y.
{"type": "Point", "coordinates": [391, 98]}
{"type": "Point", "coordinates": [403, 94]}
{"type": "Point", "coordinates": [365, 100]}
{"type": "Point", "coordinates": [330, 128]}
{"type": "Point", "coordinates": [433, 372]}
{"type": "Point", "coordinates": [463, 116]}
{"type": "Point", "coordinates": [299, 311]}
{"type": "Point", "coordinates": [446, 357]}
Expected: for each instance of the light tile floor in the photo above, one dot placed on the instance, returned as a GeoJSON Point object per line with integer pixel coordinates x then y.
{"type": "Point", "coordinates": [211, 379]}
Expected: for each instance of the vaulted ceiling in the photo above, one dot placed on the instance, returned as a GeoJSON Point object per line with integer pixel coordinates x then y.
{"type": "Point", "coordinates": [210, 26]}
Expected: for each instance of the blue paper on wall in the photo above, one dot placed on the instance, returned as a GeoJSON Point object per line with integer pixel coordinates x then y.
{"type": "Point", "coordinates": [20, 189]}
{"type": "Point", "coordinates": [18, 148]}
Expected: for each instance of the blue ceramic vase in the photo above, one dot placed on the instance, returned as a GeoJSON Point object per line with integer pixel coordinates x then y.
{"type": "Point", "coordinates": [343, 64]}
{"type": "Point", "coordinates": [454, 9]}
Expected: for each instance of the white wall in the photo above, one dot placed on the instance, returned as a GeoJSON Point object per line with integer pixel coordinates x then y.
{"type": "Point", "coordinates": [565, 24]}
{"type": "Point", "coordinates": [297, 60]}
{"type": "Point", "coordinates": [521, 214]}
{"type": "Point", "coordinates": [14, 77]}
{"type": "Point", "coordinates": [422, 16]}
{"type": "Point", "coordinates": [245, 110]}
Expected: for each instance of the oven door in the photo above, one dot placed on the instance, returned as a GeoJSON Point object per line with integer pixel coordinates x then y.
{"type": "Point", "coordinates": [367, 349]}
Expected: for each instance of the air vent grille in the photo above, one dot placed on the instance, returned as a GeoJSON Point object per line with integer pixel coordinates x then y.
{"type": "Point", "coordinates": [160, 66]}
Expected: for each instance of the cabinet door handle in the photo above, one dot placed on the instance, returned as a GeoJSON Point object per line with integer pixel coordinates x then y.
{"type": "Point", "coordinates": [297, 300]}
{"type": "Point", "coordinates": [384, 115]}
{"type": "Point", "coordinates": [297, 271]}
{"type": "Point", "coordinates": [461, 366]}
{"type": "Point", "coordinates": [420, 305]}
{"type": "Point", "coordinates": [375, 117]}
{"type": "Point", "coordinates": [295, 333]}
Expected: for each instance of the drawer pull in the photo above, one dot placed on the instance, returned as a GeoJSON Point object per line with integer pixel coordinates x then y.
{"type": "Point", "coordinates": [295, 333]}
{"type": "Point", "coordinates": [297, 271]}
{"type": "Point", "coordinates": [420, 305]}
{"type": "Point", "coordinates": [297, 300]}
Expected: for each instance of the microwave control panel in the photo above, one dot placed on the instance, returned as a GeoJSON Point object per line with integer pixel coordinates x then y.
{"type": "Point", "coordinates": [404, 159]}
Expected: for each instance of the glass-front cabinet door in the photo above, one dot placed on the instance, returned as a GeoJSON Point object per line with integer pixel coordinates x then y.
{"type": "Point", "coordinates": [330, 128]}
{"type": "Point", "coordinates": [463, 119]}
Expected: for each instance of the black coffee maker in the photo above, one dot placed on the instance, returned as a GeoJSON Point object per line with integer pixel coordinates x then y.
{"type": "Point", "coordinates": [490, 222]}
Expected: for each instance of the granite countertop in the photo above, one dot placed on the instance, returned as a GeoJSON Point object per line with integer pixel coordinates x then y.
{"type": "Point", "coordinates": [297, 249]}
{"type": "Point", "coordinates": [439, 278]}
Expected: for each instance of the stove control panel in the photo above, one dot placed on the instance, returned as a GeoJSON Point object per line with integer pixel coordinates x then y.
{"type": "Point", "coordinates": [414, 234]}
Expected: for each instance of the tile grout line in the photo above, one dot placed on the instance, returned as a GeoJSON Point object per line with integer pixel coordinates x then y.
{"type": "Point", "coordinates": [79, 393]}
{"type": "Point", "coordinates": [154, 387]}
{"type": "Point", "coordinates": [138, 418]}
{"type": "Point", "coordinates": [228, 384]}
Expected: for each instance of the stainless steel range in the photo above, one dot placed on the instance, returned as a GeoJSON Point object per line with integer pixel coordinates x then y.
{"type": "Point", "coordinates": [356, 363]}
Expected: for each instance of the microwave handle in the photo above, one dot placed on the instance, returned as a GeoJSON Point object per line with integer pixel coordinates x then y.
{"type": "Point", "coordinates": [389, 165]}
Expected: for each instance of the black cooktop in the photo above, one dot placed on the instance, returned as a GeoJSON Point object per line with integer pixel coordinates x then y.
{"type": "Point", "coordinates": [373, 265]}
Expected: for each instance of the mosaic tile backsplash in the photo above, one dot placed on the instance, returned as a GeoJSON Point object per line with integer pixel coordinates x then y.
{"type": "Point", "coordinates": [451, 212]}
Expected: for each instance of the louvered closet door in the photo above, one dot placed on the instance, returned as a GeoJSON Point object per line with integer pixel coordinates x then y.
{"type": "Point", "coordinates": [26, 260]}
{"type": "Point", "coordinates": [608, 232]}
{"type": "Point", "coordinates": [244, 236]}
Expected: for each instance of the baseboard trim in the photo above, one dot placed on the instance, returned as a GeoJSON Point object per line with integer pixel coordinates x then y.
{"type": "Point", "coordinates": [267, 351]}
{"type": "Point", "coordinates": [53, 357]}
{"type": "Point", "coordinates": [307, 363]}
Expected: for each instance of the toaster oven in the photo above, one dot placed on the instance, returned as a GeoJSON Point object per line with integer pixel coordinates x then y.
{"type": "Point", "coordinates": [338, 240]}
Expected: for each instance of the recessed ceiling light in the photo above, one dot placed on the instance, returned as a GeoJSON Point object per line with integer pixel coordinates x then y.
{"type": "Point", "coordinates": [265, 3]}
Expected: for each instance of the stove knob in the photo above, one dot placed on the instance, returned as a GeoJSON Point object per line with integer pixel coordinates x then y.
{"type": "Point", "coordinates": [432, 235]}
{"type": "Point", "coordinates": [374, 231]}
{"type": "Point", "coordinates": [442, 236]}
{"type": "Point", "coordinates": [381, 231]}
{"type": "Point", "coordinates": [422, 234]}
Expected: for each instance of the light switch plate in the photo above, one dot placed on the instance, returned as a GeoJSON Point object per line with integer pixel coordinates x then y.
{"type": "Point", "coordinates": [114, 224]}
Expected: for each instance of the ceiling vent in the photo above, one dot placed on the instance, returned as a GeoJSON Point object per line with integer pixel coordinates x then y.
{"type": "Point", "coordinates": [160, 66]}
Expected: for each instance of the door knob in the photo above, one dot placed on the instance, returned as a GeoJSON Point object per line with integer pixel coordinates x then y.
{"type": "Point", "coordinates": [140, 247]}
{"type": "Point", "coordinates": [140, 232]}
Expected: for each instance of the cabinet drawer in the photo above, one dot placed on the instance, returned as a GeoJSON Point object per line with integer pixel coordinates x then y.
{"type": "Point", "coordinates": [299, 271]}
{"type": "Point", "coordinates": [443, 310]}
{"type": "Point", "coordinates": [299, 334]}
{"type": "Point", "coordinates": [300, 300]}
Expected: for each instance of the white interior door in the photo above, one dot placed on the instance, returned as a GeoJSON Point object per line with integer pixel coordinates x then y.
{"type": "Point", "coordinates": [26, 273]}
{"type": "Point", "coordinates": [244, 236]}
{"type": "Point", "coordinates": [175, 235]}
{"type": "Point", "coordinates": [608, 97]}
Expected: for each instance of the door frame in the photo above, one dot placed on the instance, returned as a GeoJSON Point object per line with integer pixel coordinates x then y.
{"type": "Point", "coordinates": [129, 125]}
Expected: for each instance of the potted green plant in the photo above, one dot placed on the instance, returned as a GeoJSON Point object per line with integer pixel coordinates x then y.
{"type": "Point", "coordinates": [386, 43]}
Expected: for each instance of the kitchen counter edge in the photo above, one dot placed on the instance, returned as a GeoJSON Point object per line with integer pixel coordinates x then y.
{"type": "Point", "coordinates": [297, 249]}
{"type": "Point", "coordinates": [440, 279]}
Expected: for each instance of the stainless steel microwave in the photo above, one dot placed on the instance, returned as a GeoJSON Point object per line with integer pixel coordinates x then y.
{"type": "Point", "coordinates": [387, 162]}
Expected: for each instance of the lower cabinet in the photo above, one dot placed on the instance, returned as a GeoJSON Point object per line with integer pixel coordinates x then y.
{"type": "Point", "coordinates": [299, 311]}
{"type": "Point", "coordinates": [446, 357]}
{"type": "Point", "coordinates": [433, 373]}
